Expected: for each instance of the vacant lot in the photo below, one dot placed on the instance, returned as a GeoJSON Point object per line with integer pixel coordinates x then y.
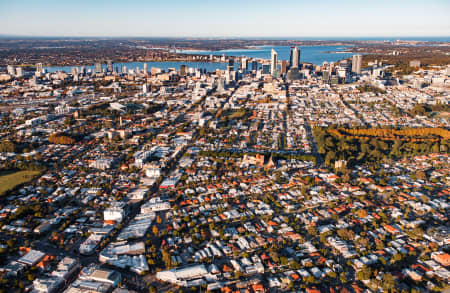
{"type": "Point", "coordinates": [9, 180]}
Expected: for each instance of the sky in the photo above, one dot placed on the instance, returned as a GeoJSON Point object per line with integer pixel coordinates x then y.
{"type": "Point", "coordinates": [229, 18]}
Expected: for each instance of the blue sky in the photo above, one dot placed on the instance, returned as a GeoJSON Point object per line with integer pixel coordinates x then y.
{"type": "Point", "coordinates": [232, 18]}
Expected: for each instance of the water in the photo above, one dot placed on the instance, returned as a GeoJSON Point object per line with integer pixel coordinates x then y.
{"type": "Point", "coordinates": [312, 54]}
{"type": "Point", "coordinates": [309, 54]}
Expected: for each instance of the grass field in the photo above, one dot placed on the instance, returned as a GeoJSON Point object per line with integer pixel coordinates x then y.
{"type": "Point", "coordinates": [10, 180]}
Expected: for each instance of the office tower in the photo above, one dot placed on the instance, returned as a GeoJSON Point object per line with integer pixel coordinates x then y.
{"type": "Point", "coordinates": [293, 74]}
{"type": "Point", "coordinates": [357, 64]}
{"type": "Point", "coordinates": [109, 65]}
{"type": "Point", "coordinates": [183, 69]}
{"type": "Point", "coordinates": [254, 65]}
{"type": "Point", "coordinates": [19, 72]}
{"type": "Point", "coordinates": [220, 85]}
{"type": "Point", "coordinates": [294, 57]}
{"type": "Point", "coordinates": [230, 66]}
{"type": "Point", "coordinates": [39, 67]}
{"type": "Point", "coordinates": [11, 70]}
{"type": "Point", "coordinates": [124, 69]}
{"type": "Point", "coordinates": [266, 69]}
{"type": "Point", "coordinates": [331, 66]}
{"type": "Point", "coordinates": [98, 67]}
{"type": "Point", "coordinates": [341, 72]}
{"type": "Point", "coordinates": [83, 70]}
{"type": "Point", "coordinates": [244, 64]}
{"type": "Point", "coordinates": [345, 65]}
{"type": "Point", "coordinates": [284, 65]}
{"type": "Point", "coordinates": [326, 76]}
{"type": "Point", "coordinates": [273, 62]}
{"type": "Point", "coordinates": [145, 69]}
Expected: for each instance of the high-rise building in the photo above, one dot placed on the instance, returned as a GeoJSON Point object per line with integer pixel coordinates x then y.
{"type": "Point", "coordinates": [220, 85]}
{"type": "Point", "coordinates": [344, 64]}
{"type": "Point", "coordinates": [98, 67]}
{"type": "Point", "coordinates": [283, 68]}
{"type": "Point", "coordinates": [294, 59]}
{"type": "Point", "coordinates": [39, 68]}
{"type": "Point", "coordinates": [230, 66]}
{"type": "Point", "coordinates": [145, 69]}
{"type": "Point", "coordinates": [183, 70]}
{"type": "Point", "coordinates": [19, 72]}
{"type": "Point", "coordinates": [254, 65]}
{"type": "Point", "coordinates": [326, 76]}
{"type": "Point", "coordinates": [273, 62]}
{"type": "Point", "coordinates": [293, 74]}
{"type": "Point", "coordinates": [266, 69]}
{"type": "Point", "coordinates": [109, 65]}
{"type": "Point", "coordinates": [11, 70]}
{"type": "Point", "coordinates": [357, 64]}
{"type": "Point", "coordinates": [244, 64]}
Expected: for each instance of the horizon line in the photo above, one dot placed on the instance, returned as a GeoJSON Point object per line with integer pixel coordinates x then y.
{"type": "Point", "coordinates": [324, 38]}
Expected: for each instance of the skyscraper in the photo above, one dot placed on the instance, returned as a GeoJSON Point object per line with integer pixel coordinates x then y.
{"type": "Point", "coordinates": [294, 57]}
{"type": "Point", "coordinates": [19, 72]}
{"type": "Point", "coordinates": [145, 68]}
{"type": "Point", "coordinates": [183, 70]}
{"type": "Point", "coordinates": [284, 65]}
{"type": "Point", "coordinates": [254, 65]}
{"type": "Point", "coordinates": [11, 70]}
{"type": "Point", "coordinates": [357, 64]}
{"type": "Point", "coordinates": [109, 65]}
{"type": "Point", "coordinates": [230, 66]}
{"type": "Point", "coordinates": [39, 67]}
{"type": "Point", "coordinates": [98, 67]}
{"type": "Point", "coordinates": [266, 69]}
{"type": "Point", "coordinates": [345, 65]}
{"type": "Point", "coordinates": [220, 85]}
{"type": "Point", "coordinates": [244, 64]}
{"type": "Point", "coordinates": [273, 62]}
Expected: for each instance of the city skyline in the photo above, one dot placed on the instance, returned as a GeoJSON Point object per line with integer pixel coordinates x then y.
{"type": "Point", "coordinates": [231, 19]}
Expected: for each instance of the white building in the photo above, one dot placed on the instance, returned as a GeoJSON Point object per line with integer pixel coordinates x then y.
{"type": "Point", "coordinates": [184, 277]}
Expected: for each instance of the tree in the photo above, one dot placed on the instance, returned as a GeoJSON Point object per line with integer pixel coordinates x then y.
{"type": "Point", "coordinates": [388, 281]}
{"type": "Point", "coordinates": [155, 230]}
{"type": "Point", "coordinates": [421, 175]}
{"type": "Point", "coordinates": [312, 230]}
{"type": "Point", "coordinates": [11, 242]}
{"type": "Point", "coordinates": [7, 146]}
{"type": "Point", "coordinates": [362, 213]}
{"type": "Point", "coordinates": [294, 265]}
{"type": "Point", "coordinates": [364, 273]}
{"type": "Point", "coordinates": [166, 258]}
{"type": "Point", "coordinates": [310, 279]}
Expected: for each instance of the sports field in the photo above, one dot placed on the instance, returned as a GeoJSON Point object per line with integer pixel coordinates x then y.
{"type": "Point", "coordinates": [10, 180]}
